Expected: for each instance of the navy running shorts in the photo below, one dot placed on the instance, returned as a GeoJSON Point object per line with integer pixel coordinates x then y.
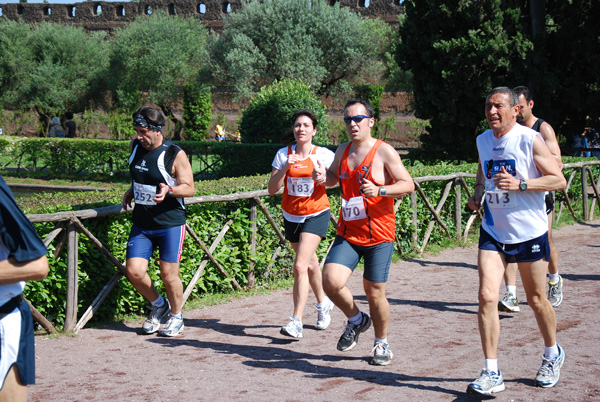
{"type": "Point", "coordinates": [377, 258]}
{"type": "Point", "coordinates": [17, 344]}
{"type": "Point", "coordinates": [141, 243]}
{"type": "Point", "coordinates": [528, 251]}
{"type": "Point", "coordinates": [318, 224]}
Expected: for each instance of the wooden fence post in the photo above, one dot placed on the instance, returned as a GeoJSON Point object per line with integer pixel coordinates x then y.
{"type": "Point", "coordinates": [72, 257]}
{"type": "Point", "coordinates": [584, 192]}
{"type": "Point", "coordinates": [458, 208]}
{"type": "Point", "coordinates": [253, 219]}
{"type": "Point", "coordinates": [413, 206]}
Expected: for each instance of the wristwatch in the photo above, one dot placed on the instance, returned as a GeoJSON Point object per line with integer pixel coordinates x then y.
{"type": "Point", "coordinates": [170, 192]}
{"type": "Point", "coordinates": [382, 191]}
{"type": "Point", "coordinates": [523, 185]}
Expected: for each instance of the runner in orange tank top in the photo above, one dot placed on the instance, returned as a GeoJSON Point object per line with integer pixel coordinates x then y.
{"type": "Point", "coordinates": [306, 216]}
{"type": "Point", "coordinates": [371, 175]}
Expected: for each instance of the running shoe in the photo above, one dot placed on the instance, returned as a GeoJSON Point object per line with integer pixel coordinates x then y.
{"type": "Point", "coordinates": [349, 338]}
{"type": "Point", "coordinates": [509, 303]}
{"type": "Point", "coordinates": [152, 323]}
{"type": "Point", "coordinates": [488, 382]}
{"type": "Point", "coordinates": [323, 314]}
{"type": "Point", "coordinates": [173, 327]}
{"type": "Point", "coordinates": [382, 355]}
{"type": "Point", "coordinates": [549, 374]}
{"type": "Point", "coordinates": [292, 328]}
{"type": "Point", "coordinates": [555, 292]}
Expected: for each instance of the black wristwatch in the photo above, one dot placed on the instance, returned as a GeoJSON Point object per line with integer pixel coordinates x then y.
{"type": "Point", "coordinates": [523, 185]}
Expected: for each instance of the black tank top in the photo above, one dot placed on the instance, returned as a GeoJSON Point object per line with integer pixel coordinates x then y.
{"type": "Point", "coordinates": [537, 125]}
{"type": "Point", "coordinates": [149, 169]}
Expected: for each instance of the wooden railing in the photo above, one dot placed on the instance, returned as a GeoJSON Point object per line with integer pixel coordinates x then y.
{"type": "Point", "coordinates": [72, 223]}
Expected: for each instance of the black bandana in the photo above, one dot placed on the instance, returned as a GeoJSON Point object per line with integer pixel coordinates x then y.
{"type": "Point", "coordinates": [139, 120]}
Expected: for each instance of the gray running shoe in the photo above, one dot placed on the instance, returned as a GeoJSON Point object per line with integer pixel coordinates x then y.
{"type": "Point", "coordinates": [549, 374]}
{"type": "Point", "coordinates": [488, 382]}
{"type": "Point", "coordinates": [323, 314]}
{"type": "Point", "coordinates": [292, 328]}
{"type": "Point", "coordinates": [173, 327]}
{"type": "Point", "coordinates": [509, 303]}
{"type": "Point", "coordinates": [382, 355]}
{"type": "Point", "coordinates": [555, 292]}
{"type": "Point", "coordinates": [349, 338]}
{"type": "Point", "coordinates": [152, 323]}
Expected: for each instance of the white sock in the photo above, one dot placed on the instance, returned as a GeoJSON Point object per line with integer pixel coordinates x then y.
{"type": "Point", "coordinates": [551, 351]}
{"type": "Point", "coordinates": [324, 302]}
{"type": "Point", "coordinates": [379, 340]}
{"type": "Point", "coordinates": [178, 316]}
{"type": "Point", "coordinates": [512, 289]}
{"type": "Point", "coordinates": [553, 278]}
{"type": "Point", "coordinates": [159, 302]}
{"type": "Point", "coordinates": [357, 319]}
{"type": "Point", "coordinates": [491, 365]}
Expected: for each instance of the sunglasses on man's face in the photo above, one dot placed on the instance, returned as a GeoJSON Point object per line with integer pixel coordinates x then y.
{"type": "Point", "coordinates": [356, 119]}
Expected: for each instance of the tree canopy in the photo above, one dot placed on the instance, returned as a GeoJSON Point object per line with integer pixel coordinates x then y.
{"type": "Point", "coordinates": [153, 58]}
{"type": "Point", "coordinates": [50, 68]}
{"type": "Point", "coordinates": [457, 51]}
{"type": "Point", "coordinates": [328, 47]}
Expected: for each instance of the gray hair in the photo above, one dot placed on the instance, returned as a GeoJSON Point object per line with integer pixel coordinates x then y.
{"type": "Point", "coordinates": [512, 95]}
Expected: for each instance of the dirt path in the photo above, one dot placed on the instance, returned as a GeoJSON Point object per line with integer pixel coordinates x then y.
{"type": "Point", "coordinates": [235, 352]}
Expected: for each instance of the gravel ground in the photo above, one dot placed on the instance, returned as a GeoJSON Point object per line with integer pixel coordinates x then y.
{"type": "Point", "coordinates": [234, 351]}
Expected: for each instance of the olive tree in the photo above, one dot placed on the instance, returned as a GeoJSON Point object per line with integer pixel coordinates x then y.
{"type": "Point", "coordinates": [49, 68]}
{"type": "Point", "coordinates": [328, 47]}
{"type": "Point", "coordinates": [153, 58]}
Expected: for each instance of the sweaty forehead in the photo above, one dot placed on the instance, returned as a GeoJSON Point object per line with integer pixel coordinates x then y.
{"type": "Point", "coordinates": [497, 99]}
{"type": "Point", "coordinates": [356, 109]}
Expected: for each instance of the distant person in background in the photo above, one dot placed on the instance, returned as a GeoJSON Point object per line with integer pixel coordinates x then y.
{"type": "Point", "coordinates": [593, 136]}
{"type": "Point", "coordinates": [56, 129]}
{"type": "Point", "coordinates": [22, 258]}
{"type": "Point", "coordinates": [219, 133]}
{"type": "Point", "coordinates": [70, 126]}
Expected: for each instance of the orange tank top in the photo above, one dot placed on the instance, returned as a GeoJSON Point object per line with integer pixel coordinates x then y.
{"type": "Point", "coordinates": [301, 195]}
{"type": "Point", "coordinates": [364, 221]}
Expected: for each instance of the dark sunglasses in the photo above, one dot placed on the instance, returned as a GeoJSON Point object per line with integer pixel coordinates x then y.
{"type": "Point", "coordinates": [356, 119]}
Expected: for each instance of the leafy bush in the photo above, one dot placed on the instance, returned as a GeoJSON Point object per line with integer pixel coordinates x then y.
{"type": "Point", "coordinates": [268, 116]}
{"type": "Point", "coordinates": [197, 111]}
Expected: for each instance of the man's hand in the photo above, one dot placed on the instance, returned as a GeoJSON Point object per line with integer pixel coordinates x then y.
{"type": "Point", "coordinates": [506, 181]}
{"type": "Point", "coordinates": [369, 189]}
{"type": "Point", "coordinates": [160, 196]}
{"type": "Point", "coordinates": [127, 198]}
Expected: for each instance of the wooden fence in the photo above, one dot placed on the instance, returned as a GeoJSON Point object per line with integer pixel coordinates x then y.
{"type": "Point", "coordinates": [71, 222]}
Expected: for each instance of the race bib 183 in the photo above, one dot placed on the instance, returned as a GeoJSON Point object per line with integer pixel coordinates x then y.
{"type": "Point", "coordinates": [300, 186]}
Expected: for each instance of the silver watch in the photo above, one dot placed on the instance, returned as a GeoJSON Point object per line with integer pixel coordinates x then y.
{"type": "Point", "coordinates": [522, 185]}
{"type": "Point", "coordinates": [382, 191]}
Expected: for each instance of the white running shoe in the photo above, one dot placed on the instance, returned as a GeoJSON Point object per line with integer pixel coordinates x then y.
{"type": "Point", "coordinates": [323, 314]}
{"type": "Point", "coordinates": [152, 323]}
{"type": "Point", "coordinates": [292, 328]}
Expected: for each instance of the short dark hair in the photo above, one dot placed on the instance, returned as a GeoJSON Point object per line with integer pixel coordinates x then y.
{"type": "Point", "coordinates": [526, 92]}
{"type": "Point", "coordinates": [512, 95]}
{"type": "Point", "coordinates": [69, 115]}
{"type": "Point", "coordinates": [305, 112]}
{"type": "Point", "coordinates": [152, 114]}
{"type": "Point", "coordinates": [364, 102]}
